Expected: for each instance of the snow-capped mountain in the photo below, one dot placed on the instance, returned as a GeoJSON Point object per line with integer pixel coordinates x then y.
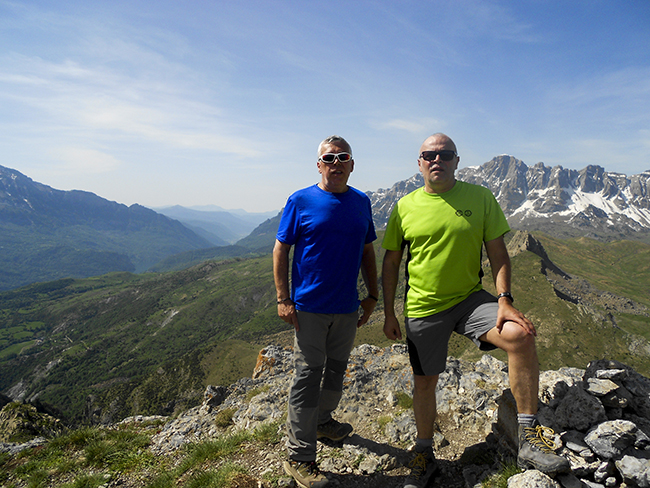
{"type": "Point", "coordinates": [590, 202]}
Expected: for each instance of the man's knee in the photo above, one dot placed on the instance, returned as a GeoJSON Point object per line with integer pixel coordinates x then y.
{"type": "Point", "coordinates": [515, 338]}
{"type": "Point", "coordinates": [306, 386]}
{"type": "Point", "coordinates": [425, 383]}
{"type": "Point", "coordinates": [334, 371]}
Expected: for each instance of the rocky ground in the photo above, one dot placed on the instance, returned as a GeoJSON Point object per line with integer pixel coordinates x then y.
{"type": "Point", "coordinates": [601, 415]}
{"type": "Point", "coordinates": [347, 464]}
{"type": "Point", "coordinates": [375, 402]}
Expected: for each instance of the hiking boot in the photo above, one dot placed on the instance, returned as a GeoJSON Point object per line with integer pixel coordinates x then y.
{"type": "Point", "coordinates": [306, 473]}
{"type": "Point", "coordinates": [333, 430]}
{"type": "Point", "coordinates": [423, 467]}
{"type": "Point", "coordinates": [536, 450]}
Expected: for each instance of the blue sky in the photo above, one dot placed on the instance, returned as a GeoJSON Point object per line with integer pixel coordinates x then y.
{"type": "Point", "coordinates": [224, 103]}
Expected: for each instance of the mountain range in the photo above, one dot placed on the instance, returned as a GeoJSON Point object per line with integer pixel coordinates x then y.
{"type": "Point", "coordinates": [48, 234]}
{"type": "Point", "coordinates": [562, 202]}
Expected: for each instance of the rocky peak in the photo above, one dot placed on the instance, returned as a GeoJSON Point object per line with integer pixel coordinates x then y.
{"type": "Point", "coordinates": [524, 241]}
{"type": "Point", "coordinates": [570, 288]}
{"type": "Point", "coordinates": [590, 201]}
{"type": "Point", "coordinates": [589, 198]}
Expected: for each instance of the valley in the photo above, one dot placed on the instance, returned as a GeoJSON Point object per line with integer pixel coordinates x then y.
{"type": "Point", "coordinates": [100, 349]}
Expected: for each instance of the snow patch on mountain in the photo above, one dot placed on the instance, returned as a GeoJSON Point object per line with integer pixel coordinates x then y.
{"type": "Point", "coordinates": [592, 200]}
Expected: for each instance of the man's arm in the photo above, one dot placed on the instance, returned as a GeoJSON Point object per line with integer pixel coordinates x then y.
{"type": "Point", "coordinates": [389, 279]}
{"type": "Point", "coordinates": [369, 275]}
{"type": "Point", "coordinates": [501, 272]}
{"type": "Point", "coordinates": [286, 308]}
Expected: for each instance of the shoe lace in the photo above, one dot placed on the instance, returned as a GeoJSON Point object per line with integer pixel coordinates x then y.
{"type": "Point", "coordinates": [541, 437]}
{"type": "Point", "coordinates": [418, 465]}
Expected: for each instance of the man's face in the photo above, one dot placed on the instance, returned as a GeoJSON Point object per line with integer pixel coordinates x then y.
{"type": "Point", "coordinates": [439, 175]}
{"type": "Point", "coordinates": [334, 176]}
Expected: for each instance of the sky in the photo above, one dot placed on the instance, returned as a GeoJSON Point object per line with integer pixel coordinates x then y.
{"type": "Point", "coordinates": [224, 103]}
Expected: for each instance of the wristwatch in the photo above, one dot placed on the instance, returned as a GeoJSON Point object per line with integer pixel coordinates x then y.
{"type": "Point", "coordinates": [506, 294]}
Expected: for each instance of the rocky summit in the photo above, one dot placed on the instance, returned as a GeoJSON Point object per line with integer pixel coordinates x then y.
{"type": "Point", "coordinates": [600, 414]}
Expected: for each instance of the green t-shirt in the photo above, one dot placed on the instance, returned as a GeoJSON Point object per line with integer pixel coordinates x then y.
{"type": "Point", "coordinates": [444, 233]}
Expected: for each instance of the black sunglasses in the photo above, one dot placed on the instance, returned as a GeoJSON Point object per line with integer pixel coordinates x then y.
{"type": "Point", "coordinates": [329, 158]}
{"type": "Point", "coordinates": [445, 155]}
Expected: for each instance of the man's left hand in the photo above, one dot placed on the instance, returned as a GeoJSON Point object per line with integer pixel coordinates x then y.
{"type": "Point", "coordinates": [509, 313]}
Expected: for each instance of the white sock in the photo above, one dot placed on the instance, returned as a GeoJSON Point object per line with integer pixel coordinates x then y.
{"type": "Point", "coordinates": [526, 419]}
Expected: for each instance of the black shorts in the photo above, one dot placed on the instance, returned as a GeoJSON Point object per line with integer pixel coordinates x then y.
{"type": "Point", "coordinates": [428, 337]}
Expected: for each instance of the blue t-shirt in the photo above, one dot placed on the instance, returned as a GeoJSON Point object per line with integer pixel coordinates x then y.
{"type": "Point", "coordinates": [328, 232]}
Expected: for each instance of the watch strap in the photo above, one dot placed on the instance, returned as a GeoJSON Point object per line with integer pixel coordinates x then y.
{"type": "Point", "coordinates": [506, 294]}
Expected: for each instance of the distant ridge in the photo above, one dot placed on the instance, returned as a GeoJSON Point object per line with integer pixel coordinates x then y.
{"type": "Point", "coordinates": [220, 227]}
{"type": "Point", "coordinates": [46, 234]}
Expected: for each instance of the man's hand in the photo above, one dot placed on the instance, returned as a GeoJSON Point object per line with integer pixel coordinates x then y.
{"type": "Point", "coordinates": [509, 313]}
{"type": "Point", "coordinates": [368, 305]}
{"type": "Point", "coordinates": [287, 312]}
{"type": "Point", "coordinates": [391, 328]}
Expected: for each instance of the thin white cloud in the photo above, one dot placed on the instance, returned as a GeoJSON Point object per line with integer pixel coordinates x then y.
{"type": "Point", "coordinates": [488, 18]}
{"type": "Point", "coordinates": [79, 160]}
{"type": "Point", "coordinates": [83, 97]}
{"type": "Point", "coordinates": [630, 85]}
{"type": "Point", "coordinates": [417, 127]}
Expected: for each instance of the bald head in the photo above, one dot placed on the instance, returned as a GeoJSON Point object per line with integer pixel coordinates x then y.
{"type": "Point", "coordinates": [438, 161]}
{"type": "Point", "coordinates": [439, 139]}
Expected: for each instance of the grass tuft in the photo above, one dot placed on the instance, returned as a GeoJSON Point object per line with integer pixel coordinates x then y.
{"type": "Point", "coordinates": [223, 419]}
{"type": "Point", "coordinates": [404, 401]}
{"type": "Point", "coordinates": [500, 479]}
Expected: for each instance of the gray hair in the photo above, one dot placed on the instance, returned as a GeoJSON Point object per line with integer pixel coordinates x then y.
{"type": "Point", "coordinates": [334, 139]}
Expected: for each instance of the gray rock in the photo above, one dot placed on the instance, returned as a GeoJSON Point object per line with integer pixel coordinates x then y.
{"type": "Point", "coordinates": [402, 429]}
{"type": "Point", "coordinates": [16, 447]}
{"type": "Point", "coordinates": [532, 479]}
{"type": "Point", "coordinates": [575, 441]}
{"type": "Point", "coordinates": [554, 385]}
{"type": "Point", "coordinates": [474, 397]}
{"type": "Point", "coordinates": [601, 368]}
{"type": "Point", "coordinates": [620, 398]}
{"type": "Point", "coordinates": [214, 396]}
{"type": "Point", "coordinates": [605, 470]}
{"type": "Point", "coordinates": [641, 405]}
{"type": "Point", "coordinates": [634, 470]}
{"type": "Point", "coordinates": [369, 465]}
{"type": "Point", "coordinates": [580, 466]}
{"type": "Point", "coordinates": [570, 481]}
{"type": "Point", "coordinates": [579, 410]}
{"type": "Point", "coordinates": [601, 387]}
{"type": "Point", "coordinates": [611, 438]}
{"type": "Point", "coordinates": [612, 374]}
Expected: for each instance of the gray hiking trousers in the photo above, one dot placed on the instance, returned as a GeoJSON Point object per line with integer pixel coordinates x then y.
{"type": "Point", "coordinates": [322, 347]}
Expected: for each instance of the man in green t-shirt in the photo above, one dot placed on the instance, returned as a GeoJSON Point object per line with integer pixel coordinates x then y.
{"type": "Point", "coordinates": [444, 226]}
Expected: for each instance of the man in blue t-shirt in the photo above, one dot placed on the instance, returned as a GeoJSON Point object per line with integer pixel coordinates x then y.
{"type": "Point", "coordinates": [331, 230]}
